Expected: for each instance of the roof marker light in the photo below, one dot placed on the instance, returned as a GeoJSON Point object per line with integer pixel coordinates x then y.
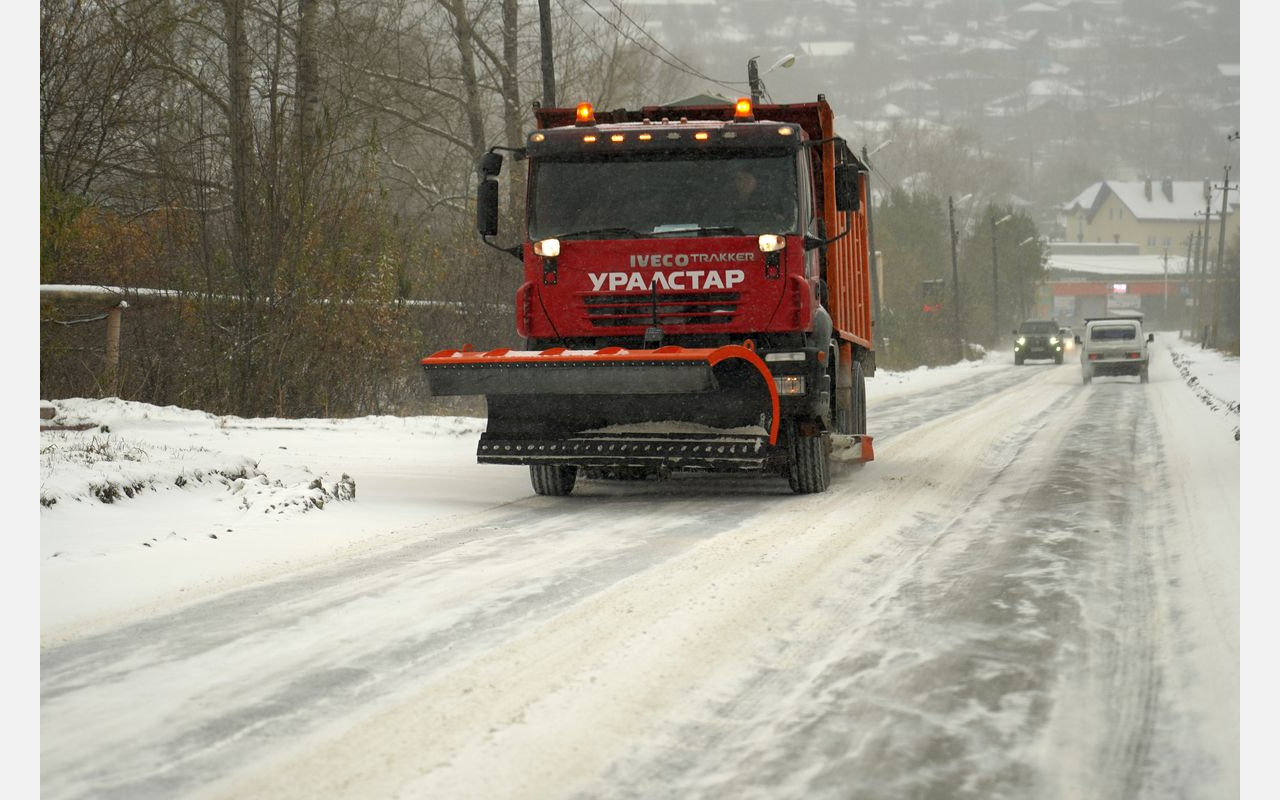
{"type": "Point", "coordinates": [585, 115]}
{"type": "Point", "coordinates": [742, 110]}
{"type": "Point", "coordinates": [785, 130]}
{"type": "Point", "coordinates": [538, 137]}
{"type": "Point", "coordinates": [701, 136]}
{"type": "Point", "coordinates": [589, 138]}
{"type": "Point", "coordinates": [645, 137]}
{"type": "Point", "coordinates": [617, 137]}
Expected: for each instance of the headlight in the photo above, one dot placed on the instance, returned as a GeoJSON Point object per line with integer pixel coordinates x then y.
{"type": "Point", "coordinates": [1053, 340]}
{"type": "Point", "coordinates": [547, 248]}
{"type": "Point", "coordinates": [789, 384]}
{"type": "Point", "coordinates": [1022, 340]}
{"type": "Point", "coordinates": [771, 243]}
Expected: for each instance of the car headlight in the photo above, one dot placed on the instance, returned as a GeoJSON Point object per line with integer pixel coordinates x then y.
{"type": "Point", "coordinates": [1053, 340]}
{"type": "Point", "coordinates": [1021, 340]}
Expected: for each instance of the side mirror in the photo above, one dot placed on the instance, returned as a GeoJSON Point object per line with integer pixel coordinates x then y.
{"type": "Point", "coordinates": [848, 194]}
{"type": "Point", "coordinates": [490, 164]}
{"type": "Point", "coordinates": [1078, 340]}
{"type": "Point", "coordinates": [1151, 337]}
{"type": "Point", "coordinates": [487, 206]}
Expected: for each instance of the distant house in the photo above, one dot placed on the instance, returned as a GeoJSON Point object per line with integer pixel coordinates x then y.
{"type": "Point", "coordinates": [1155, 215]}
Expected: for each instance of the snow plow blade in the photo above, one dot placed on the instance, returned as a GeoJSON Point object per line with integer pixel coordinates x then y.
{"type": "Point", "coordinates": [668, 408]}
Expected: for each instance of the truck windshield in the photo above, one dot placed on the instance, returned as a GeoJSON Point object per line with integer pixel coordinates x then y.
{"type": "Point", "coordinates": [664, 194]}
{"type": "Point", "coordinates": [1039, 327]}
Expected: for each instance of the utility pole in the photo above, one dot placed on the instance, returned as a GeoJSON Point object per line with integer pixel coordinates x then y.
{"type": "Point", "coordinates": [877, 330]}
{"type": "Point", "coordinates": [548, 62]}
{"type": "Point", "coordinates": [753, 80]}
{"type": "Point", "coordinates": [955, 281]}
{"type": "Point", "coordinates": [1217, 267]}
{"type": "Point", "coordinates": [995, 277]}
{"type": "Point", "coordinates": [1166, 285]}
{"type": "Point", "coordinates": [1201, 322]}
{"type": "Point", "coordinates": [1188, 275]}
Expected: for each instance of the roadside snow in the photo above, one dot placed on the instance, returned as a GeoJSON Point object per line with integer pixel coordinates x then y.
{"type": "Point", "coordinates": [1213, 376]}
{"type": "Point", "coordinates": [163, 505]}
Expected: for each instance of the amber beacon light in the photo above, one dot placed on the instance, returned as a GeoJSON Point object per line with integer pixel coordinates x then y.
{"type": "Point", "coordinates": [742, 110]}
{"type": "Point", "coordinates": [585, 115]}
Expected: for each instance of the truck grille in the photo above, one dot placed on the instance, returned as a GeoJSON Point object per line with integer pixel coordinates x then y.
{"type": "Point", "coordinates": [686, 308]}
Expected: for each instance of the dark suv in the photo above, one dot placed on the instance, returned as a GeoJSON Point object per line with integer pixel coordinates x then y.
{"type": "Point", "coordinates": [1038, 338]}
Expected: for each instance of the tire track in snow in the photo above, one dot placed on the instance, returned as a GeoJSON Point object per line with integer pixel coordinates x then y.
{"type": "Point", "coordinates": [823, 683]}
{"type": "Point", "coordinates": [941, 682]}
{"type": "Point", "coordinates": [269, 662]}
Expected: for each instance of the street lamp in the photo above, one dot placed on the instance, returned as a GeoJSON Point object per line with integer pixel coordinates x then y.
{"type": "Point", "coordinates": [876, 292]}
{"type": "Point", "coordinates": [955, 275]}
{"type": "Point", "coordinates": [1022, 294]}
{"type": "Point", "coordinates": [754, 75]}
{"type": "Point", "coordinates": [875, 149]}
{"type": "Point", "coordinates": [995, 278]}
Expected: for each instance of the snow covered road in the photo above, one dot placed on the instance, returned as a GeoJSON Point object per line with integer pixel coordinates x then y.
{"type": "Point", "coordinates": [1032, 592]}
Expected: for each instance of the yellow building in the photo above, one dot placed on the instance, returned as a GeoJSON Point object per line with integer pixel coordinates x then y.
{"type": "Point", "coordinates": [1155, 215]}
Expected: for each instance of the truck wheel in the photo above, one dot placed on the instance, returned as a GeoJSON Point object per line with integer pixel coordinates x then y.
{"type": "Point", "coordinates": [843, 400]}
{"type": "Point", "coordinates": [554, 480]}
{"type": "Point", "coordinates": [859, 400]}
{"type": "Point", "coordinates": [1057, 359]}
{"type": "Point", "coordinates": [1142, 375]}
{"type": "Point", "coordinates": [1087, 375]}
{"type": "Point", "coordinates": [808, 473]}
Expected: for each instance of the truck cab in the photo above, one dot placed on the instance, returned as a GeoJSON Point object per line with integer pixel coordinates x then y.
{"type": "Point", "coordinates": [1113, 346]}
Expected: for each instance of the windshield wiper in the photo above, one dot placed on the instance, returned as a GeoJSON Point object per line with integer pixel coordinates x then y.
{"type": "Point", "coordinates": [699, 230]}
{"type": "Point", "coordinates": [614, 231]}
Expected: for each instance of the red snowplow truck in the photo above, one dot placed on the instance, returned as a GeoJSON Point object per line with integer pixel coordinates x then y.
{"type": "Point", "coordinates": [696, 297]}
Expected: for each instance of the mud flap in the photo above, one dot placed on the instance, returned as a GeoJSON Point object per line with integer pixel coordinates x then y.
{"type": "Point", "coordinates": [854, 448]}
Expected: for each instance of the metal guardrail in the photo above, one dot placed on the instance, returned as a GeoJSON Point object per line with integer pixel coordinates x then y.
{"type": "Point", "coordinates": [118, 298]}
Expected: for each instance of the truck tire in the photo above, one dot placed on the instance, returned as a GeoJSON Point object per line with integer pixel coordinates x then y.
{"type": "Point", "coordinates": [1086, 375]}
{"type": "Point", "coordinates": [1017, 361]}
{"type": "Point", "coordinates": [553, 480]}
{"type": "Point", "coordinates": [809, 472]}
{"type": "Point", "coordinates": [843, 402]}
{"type": "Point", "coordinates": [1142, 375]}
{"type": "Point", "coordinates": [1057, 358]}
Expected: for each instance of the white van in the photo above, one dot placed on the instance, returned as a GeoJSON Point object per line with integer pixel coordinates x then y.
{"type": "Point", "coordinates": [1114, 346]}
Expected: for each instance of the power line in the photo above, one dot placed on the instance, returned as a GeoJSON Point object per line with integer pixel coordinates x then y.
{"type": "Point", "coordinates": [693, 70]}
{"type": "Point", "coordinates": [640, 45]}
